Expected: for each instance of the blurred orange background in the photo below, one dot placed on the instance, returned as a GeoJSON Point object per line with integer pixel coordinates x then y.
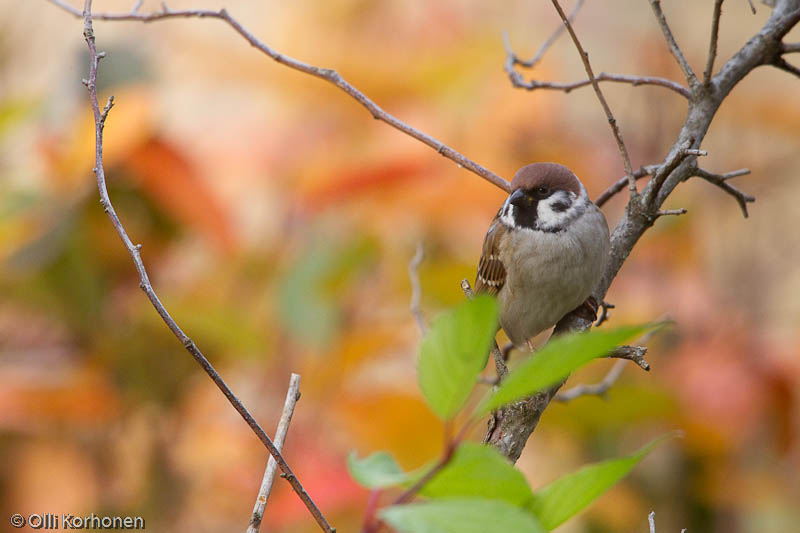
{"type": "Point", "coordinates": [278, 218]}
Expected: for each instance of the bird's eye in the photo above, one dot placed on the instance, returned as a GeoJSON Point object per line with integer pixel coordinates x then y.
{"type": "Point", "coordinates": [542, 192]}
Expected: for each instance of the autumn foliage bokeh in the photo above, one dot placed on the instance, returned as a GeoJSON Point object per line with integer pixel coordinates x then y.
{"type": "Point", "coordinates": [277, 219]}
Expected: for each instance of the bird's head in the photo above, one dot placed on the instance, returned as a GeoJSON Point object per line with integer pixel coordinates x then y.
{"type": "Point", "coordinates": [544, 197]}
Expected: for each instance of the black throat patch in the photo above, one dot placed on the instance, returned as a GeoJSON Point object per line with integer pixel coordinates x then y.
{"type": "Point", "coordinates": [525, 215]}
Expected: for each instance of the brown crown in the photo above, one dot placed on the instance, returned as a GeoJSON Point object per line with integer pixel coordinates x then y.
{"type": "Point", "coordinates": [550, 175]}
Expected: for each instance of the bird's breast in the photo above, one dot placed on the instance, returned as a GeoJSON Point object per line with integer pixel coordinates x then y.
{"type": "Point", "coordinates": [550, 273]}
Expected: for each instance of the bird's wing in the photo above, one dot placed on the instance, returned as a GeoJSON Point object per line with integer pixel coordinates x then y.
{"type": "Point", "coordinates": [491, 271]}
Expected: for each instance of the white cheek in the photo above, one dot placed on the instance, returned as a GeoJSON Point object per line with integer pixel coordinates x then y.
{"type": "Point", "coordinates": [550, 218]}
{"type": "Point", "coordinates": [507, 217]}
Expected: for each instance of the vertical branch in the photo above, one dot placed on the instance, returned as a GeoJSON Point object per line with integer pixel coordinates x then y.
{"type": "Point", "coordinates": [712, 45]}
{"type": "Point", "coordinates": [610, 116]}
{"type": "Point", "coordinates": [144, 281]}
{"type": "Point", "coordinates": [292, 395]}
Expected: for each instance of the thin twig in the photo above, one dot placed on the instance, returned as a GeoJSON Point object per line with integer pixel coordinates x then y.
{"type": "Point", "coordinates": [752, 7]}
{"type": "Point", "coordinates": [416, 288]}
{"type": "Point", "coordinates": [631, 353]}
{"type": "Point", "coordinates": [651, 519]}
{"type": "Point", "coordinates": [326, 74]}
{"type": "Point", "coordinates": [720, 180]}
{"type": "Point", "coordinates": [604, 307]}
{"type": "Point", "coordinates": [691, 78]}
{"type": "Point", "coordinates": [144, 281]}
{"type": "Point", "coordinates": [450, 447]}
{"type": "Point", "coordinates": [789, 48]}
{"type": "Point", "coordinates": [735, 173]}
{"type": "Point", "coordinates": [667, 212]}
{"type": "Point", "coordinates": [641, 172]}
{"type": "Point", "coordinates": [784, 65]}
{"type": "Point", "coordinates": [518, 81]}
{"type": "Point", "coordinates": [712, 45]}
{"type": "Point", "coordinates": [292, 395]}
{"type": "Point", "coordinates": [611, 120]}
{"type": "Point", "coordinates": [595, 389]}
{"type": "Point", "coordinates": [624, 354]}
{"type": "Point", "coordinates": [530, 63]}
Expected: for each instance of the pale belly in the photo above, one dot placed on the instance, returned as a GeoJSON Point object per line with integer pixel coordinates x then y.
{"type": "Point", "coordinates": [554, 274]}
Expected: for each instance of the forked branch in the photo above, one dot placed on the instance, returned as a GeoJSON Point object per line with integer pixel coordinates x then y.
{"type": "Point", "coordinates": [691, 78]}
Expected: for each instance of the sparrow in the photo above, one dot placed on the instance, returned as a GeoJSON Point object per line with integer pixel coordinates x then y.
{"type": "Point", "coordinates": [544, 252]}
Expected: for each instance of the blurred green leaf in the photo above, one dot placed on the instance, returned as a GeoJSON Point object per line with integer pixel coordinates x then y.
{"type": "Point", "coordinates": [376, 471]}
{"type": "Point", "coordinates": [480, 471]}
{"type": "Point", "coordinates": [309, 293]}
{"type": "Point", "coordinates": [461, 516]}
{"type": "Point", "coordinates": [565, 497]}
{"type": "Point", "coordinates": [556, 360]}
{"type": "Point", "coordinates": [453, 353]}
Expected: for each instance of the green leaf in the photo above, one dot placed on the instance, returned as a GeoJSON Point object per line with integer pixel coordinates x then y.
{"type": "Point", "coordinates": [565, 497]}
{"type": "Point", "coordinates": [461, 516]}
{"type": "Point", "coordinates": [453, 353]}
{"type": "Point", "coordinates": [477, 470]}
{"type": "Point", "coordinates": [377, 471]}
{"type": "Point", "coordinates": [555, 361]}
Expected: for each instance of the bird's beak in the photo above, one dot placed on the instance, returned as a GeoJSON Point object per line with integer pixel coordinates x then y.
{"type": "Point", "coordinates": [518, 198]}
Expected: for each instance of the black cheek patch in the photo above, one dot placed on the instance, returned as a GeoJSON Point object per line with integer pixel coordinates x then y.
{"type": "Point", "coordinates": [559, 207]}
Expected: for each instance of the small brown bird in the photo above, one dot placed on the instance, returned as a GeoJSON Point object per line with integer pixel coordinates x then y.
{"type": "Point", "coordinates": [544, 252]}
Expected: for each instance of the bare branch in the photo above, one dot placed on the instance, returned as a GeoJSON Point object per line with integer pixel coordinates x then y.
{"type": "Point", "coordinates": [784, 65]}
{"type": "Point", "coordinates": [611, 120]}
{"type": "Point", "coordinates": [515, 423]}
{"type": "Point", "coordinates": [416, 288]}
{"type": "Point", "coordinates": [604, 316]}
{"type": "Point", "coordinates": [673, 160]}
{"type": "Point", "coordinates": [789, 48]}
{"type": "Point", "coordinates": [292, 395]}
{"type": "Point", "coordinates": [631, 353]}
{"type": "Point", "coordinates": [518, 81]}
{"type": "Point", "coordinates": [326, 74]}
{"type": "Point", "coordinates": [596, 389]}
{"type": "Point", "coordinates": [720, 181]}
{"type": "Point", "coordinates": [712, 45]}
{"type": "Point", "coordinates": [666, 212]}
{"type": "Point", "coordinates": [735, 173]}
{"type": "Point", "coordinates": [691, 78]}
{"type": "Point", "coordinates": [641, 172]}
{"type": "Point", "coordinates": [144, 281]}
{"type": "Point", "coordinates": [530, 63]}
{"type": "Point", "coordinates": [651, 519]}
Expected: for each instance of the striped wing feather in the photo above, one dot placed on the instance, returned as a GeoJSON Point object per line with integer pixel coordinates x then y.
{"type": "Point", "coordinates": [491, 271]}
